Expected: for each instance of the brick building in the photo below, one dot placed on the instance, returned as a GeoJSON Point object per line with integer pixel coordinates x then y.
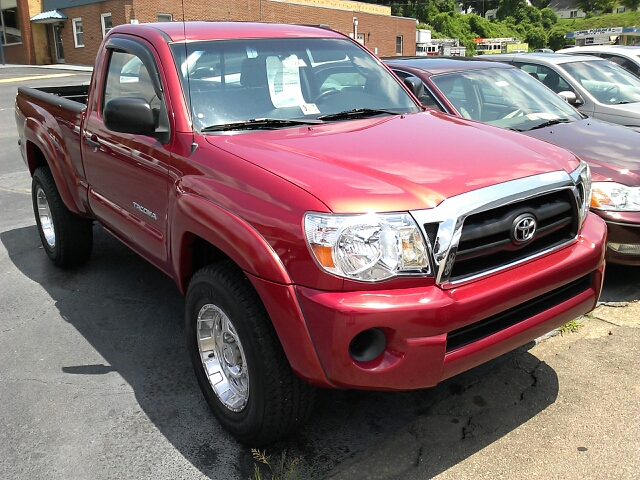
{"type": "Point", "coordinates": [73, 34]}
{"type": "Point", "coordinates": [18, 41]}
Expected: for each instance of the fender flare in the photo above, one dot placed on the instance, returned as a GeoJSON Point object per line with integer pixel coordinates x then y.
{"type": "Point", "coordinates": [237, 239]}
{"type": "Point", "coordinates": [244, 245]}
{"type": "Point", "coordinates": [36, 134]}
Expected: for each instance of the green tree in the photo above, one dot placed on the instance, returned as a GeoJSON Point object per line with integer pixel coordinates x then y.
{"type": "Point", "coordinates": [508, 8]}
{"type": "Point", "coordinates": [556, 39]}
{"type": "Point", "coordinates": [527, 13]}
{"type": "Point", "coordinates": [549, 18]}
{"type": "Point", "coordinates": [536, 37]}
{"type": "Point", "coordinates": [593, 6]}
{"type": "Point", "coordinates": [630, 4]}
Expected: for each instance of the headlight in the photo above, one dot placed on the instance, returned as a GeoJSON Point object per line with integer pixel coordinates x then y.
{"type": "Point", "coordinates": [582, 177]}
{"type": "Point", "coordinates": [615, 196]}
{"type": "Point", "coordinates": [368, 247]}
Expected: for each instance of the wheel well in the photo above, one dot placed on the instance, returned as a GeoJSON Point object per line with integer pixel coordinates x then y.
{"type": "Point", "coordinates": [196, 254]}
{"type": "Point", "coordinates": [35, 157]}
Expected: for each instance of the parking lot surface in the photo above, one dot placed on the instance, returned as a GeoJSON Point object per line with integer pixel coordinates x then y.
{"type": "Point", "coordinates": [96, 381]}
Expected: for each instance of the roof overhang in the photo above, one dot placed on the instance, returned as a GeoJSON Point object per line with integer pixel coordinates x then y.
{"type": "Point", "coordinates": [606, 32]}
{"type": "Point", "coordinates": [52, 16]}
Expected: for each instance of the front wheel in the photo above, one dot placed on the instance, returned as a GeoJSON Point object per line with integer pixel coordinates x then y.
{"type": "Point", "coordinates": [66, 237]}
{"type": "Point", "coordinates": [238, 360]}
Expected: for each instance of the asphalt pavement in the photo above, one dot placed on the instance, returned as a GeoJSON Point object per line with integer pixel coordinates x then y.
{"type": "Point", "coordinates": [96, 383]}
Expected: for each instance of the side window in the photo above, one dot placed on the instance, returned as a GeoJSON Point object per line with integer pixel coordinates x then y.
{"type": "Point", "coordinates": [623, 62]}
{"type": "Point", "coordinates": [452, 88]}
{"type": "Point", "coordinates": [78, 33]}
{"type": "Point", "coordinates": [128, 77]}
{"type": "Point", "coordinates": [399, 45]}
{"type": "Point", "coordinates": [427, 99]}
{"type": "Point", "coordinates": [106, 22]}
{"type": "Point", "coordinates": [547, 76]}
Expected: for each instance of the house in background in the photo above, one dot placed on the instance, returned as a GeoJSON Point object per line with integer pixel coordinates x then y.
{"type": "Point", "coordinates": [53, 31]}
{"type": "Point", "coordinates": [566, 9]}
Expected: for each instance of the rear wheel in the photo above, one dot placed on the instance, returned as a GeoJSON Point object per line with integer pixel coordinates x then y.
{"type": "Point", "coordinates": [66, 237]}
{"type": "Point", "coordinates": [238, 360]}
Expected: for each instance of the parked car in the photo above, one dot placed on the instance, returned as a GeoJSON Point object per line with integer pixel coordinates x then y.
{"type": "Point", "coordinates": [597, 87]}
{"type": "Point", "coordinates": [628, 57]}
{"type": "Point", "coordinates": [543, 50]}
{"type": "Point", "coordinates": [504, 96]}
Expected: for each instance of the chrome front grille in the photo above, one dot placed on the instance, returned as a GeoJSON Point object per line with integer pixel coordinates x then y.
{"type": "Point", "coordinates": [474, 234]}
{"type": "Point", "coordinates": [487, 241]}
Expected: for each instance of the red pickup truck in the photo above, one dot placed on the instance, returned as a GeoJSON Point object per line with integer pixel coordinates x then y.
{"type": "Point", "coordinates": [325, 229]}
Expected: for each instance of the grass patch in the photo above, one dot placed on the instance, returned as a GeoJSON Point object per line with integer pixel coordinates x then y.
{"type": "Point", "coordinates": [626, 19]}
{"type": "Point", "coordinates": [571, 327]}
{"type": "Point", "coordinates": [283, 468]}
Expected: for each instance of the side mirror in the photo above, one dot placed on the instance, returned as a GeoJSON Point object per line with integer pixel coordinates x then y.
{"type": "Point", "coordinates": [129, 115]}
{"type": "Point", "coordinates": [571, 98]}
{"type": "Point", "coordinates": [415, 85]}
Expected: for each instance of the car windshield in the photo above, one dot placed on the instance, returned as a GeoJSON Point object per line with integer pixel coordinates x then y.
{"type": "Point", "coordinates": [607, 82]}
{"type": "Point", "coordinates": [231, 82]}
{"type": "Point", "coordinates": [505, 97]}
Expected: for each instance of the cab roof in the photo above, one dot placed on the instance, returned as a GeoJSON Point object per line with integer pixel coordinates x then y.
{"type": "Point", "coordinates": [194, 31]}
{"type": "Point", "coordinates": [434, 65]}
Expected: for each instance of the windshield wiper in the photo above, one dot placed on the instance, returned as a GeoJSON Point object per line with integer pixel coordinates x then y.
{"type": "Point", "coordinates": [258, 124]}
{"type": "Point", "coordinates": [356, 113]}
{"type": "Point", "coordinates": [549, 123]}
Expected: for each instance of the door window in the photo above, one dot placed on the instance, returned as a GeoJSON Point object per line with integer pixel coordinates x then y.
{"type": "Point", "coordinates": [128, 76]}
{"type": "Point", "coordinates": [547, 76]}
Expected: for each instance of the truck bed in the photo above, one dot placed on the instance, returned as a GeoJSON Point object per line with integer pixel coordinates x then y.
{"type": "Point", "coordinates": [72, 97]}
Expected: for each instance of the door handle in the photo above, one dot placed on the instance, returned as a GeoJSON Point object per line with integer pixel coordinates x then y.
{"type": "Point", "coordinates": [92, 141]}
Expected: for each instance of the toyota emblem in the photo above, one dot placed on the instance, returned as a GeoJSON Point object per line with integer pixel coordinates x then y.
{"type": "Point", "coordinates": [523, 229]}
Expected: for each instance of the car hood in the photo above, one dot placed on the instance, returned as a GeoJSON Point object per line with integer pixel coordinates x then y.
{"type": "Point", "coordinates": [631, 110]}
{"type": "Point", "coordinates": [610, 150]}
{"type": "Point", "coordinates": [395, 163]}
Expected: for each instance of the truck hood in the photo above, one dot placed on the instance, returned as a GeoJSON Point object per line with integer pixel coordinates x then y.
{"type": "Point", "coordinates": [395, 163]}
{"type": "Point", "coordinates": [610, 150]}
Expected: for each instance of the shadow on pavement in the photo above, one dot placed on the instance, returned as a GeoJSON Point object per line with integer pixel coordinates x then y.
{"type": "Point", "coordinates": [132, 315]}
{"type": "Point", "coordinates": [621, 284]}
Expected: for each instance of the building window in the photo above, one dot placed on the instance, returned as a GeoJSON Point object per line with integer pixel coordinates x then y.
{"type": "Point", "coordinates": [399, 45]}
{"type": "Point", "coordinates": [107, 23]}
{"type": "Point", "coordinates": [78, 36]}
{"type": "Point", "coordinates": [573, 14]}
{"type": "Point", "coordinates": [165, 17]}
{"type": "Point", "coordinates": [9, 24]}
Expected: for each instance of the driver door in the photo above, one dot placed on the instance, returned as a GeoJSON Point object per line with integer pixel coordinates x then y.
{"type": "Point", "coordinates": [128, 173]}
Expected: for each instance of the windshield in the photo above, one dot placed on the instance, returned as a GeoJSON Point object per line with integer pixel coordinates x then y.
{"type": "Point", "coordinates": [607, 82]}
{"type": "Point", "coordinates": [506, 98]}
{"type": "Point", "coordinates": [235, 81]}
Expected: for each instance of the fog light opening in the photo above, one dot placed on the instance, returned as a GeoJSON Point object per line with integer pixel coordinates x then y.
{"type": "Point", "coordinates": [367, 345]}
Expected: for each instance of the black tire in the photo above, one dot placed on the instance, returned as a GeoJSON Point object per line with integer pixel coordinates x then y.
{"type": "Point", "coordinates": [277, 401]}
{"type": "Point", "coordinates": [67, 238]}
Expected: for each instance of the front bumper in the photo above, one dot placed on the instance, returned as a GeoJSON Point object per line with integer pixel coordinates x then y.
{"type": "Point", "coordinates": [417, 321]}
{"type": "Point", "coordinates": [623, 238]}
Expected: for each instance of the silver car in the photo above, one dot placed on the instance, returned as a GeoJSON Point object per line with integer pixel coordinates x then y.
{"type": "Point", "coordinates": [628, 57]}
{"type": "Point", "coordinates": [595, 86]}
